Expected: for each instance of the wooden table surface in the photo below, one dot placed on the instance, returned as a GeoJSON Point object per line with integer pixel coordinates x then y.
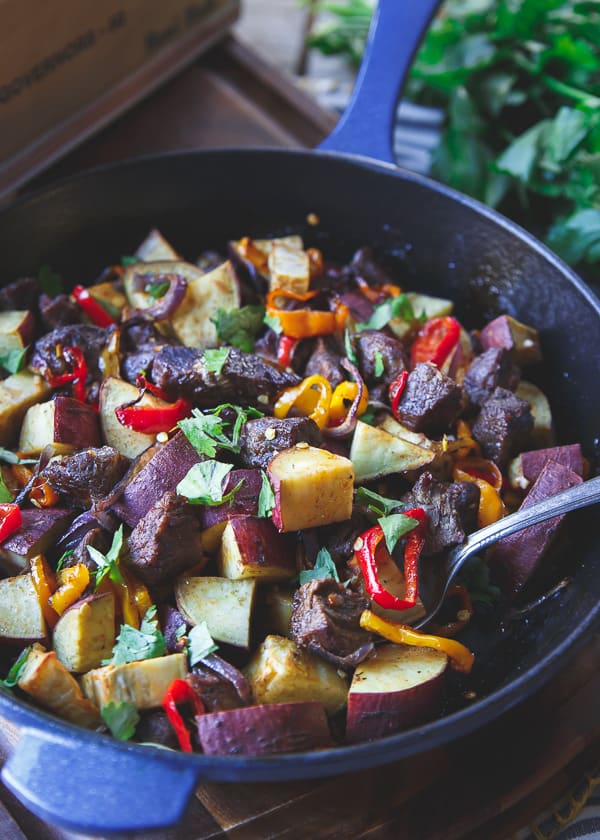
{"type": "Point", "coordinates": [488, 784]}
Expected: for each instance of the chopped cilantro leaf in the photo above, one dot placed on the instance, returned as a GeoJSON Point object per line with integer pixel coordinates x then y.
{"type": "Point", "coordinates": [13, 676]}
{"type": "Point", "coordinates": [397, 307]}
{"type": "Point", "coordinates": [157, 290]}
{"type": "Point", "coordinates": [134, 645]}
{"type": "Point", "coordinates": [203, 484]}
{"type": "Point", "coordinates": [396, 526]}
{"type": "Point", "coordinates": [379, 366]}
{"type": "Point", "coordinates": [121, 718]}
{"type": "Point", "coordinates": [380, 505]}
{"type": "Point", "coordinates": [5, 494]}
{"type": "Point", "coordinates": [324, 568]}
{"type": "Point", "coordinates": [274, 323]}
{"type": "Point", "coordinates": [348, 346]}
{"type": "Point", "coordinates": [128, 260]}
{"type": "Point", "coordinates": [206, 431]}
{"type": "Point", "coordinates": [108, 564]}
{"type": "Point", "coordinates": [240, 327]}
{"type": "Point", "coordinates": [13, 360]}
{"type": "Point", "coordinates": [201, 643]}
{"type": "Point", "coordinates": [215, 359]}
{"type": "Point", "coordinates": [266, 498]}
{"type": "Point", "coordinates": [63, 557]}
{"type": "Point", "coordinates": [50, 282]}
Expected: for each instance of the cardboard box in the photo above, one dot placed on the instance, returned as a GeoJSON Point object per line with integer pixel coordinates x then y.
{"type": "Point", "coordinates": [67, 67]}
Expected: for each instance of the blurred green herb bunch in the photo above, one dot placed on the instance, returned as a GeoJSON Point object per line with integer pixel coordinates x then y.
{"type": "Point", "coordinates": [519, 83]}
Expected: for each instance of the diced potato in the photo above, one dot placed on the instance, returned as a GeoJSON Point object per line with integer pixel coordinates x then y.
{"type": "Point", "coordinates": [114, 393]}
{"type": "Point", "coordinates": [155, 247]}
{"type": "Point", "coordinates": [312, 487]}
{"type": "Point", "coordinates": [21, 617]}
{"type": "Point", "coordinates": [431, 307]}
{"type": "Point", "coordinates": [280, 672]}
{"type": "Point", "coordinates": [109, 296]}
{"type": "Point", "coordinates": [50, 684]}
{"type": "Point", "coordinates": [85, 633]}
{"type": "Point", "coordinates": [17, 329]}
{"type": "Point", "coordinates": [277, 609]}
{"type": "Point", "coordinates": [142, 683]}
{"type": "Point", "coordinates": [542, 434]}
{"type": "Point", "coordinates": [62, 420]}
{"type": "Point", "coordinates": [225, 605]}
{"type": "Point", "coordinates": [289, 268]}
{"type": "Point", "coordinates": [375, 453]}
{"type": "Point", "coordinates": [17, 393]}
{"type": "Point", "coordinates": [253, 548]}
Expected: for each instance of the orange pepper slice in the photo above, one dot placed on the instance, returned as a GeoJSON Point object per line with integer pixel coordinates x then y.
{"type": "Point", "coordinates": [44, 582]}
{"type": "Point", "coordinates": [73, 581]}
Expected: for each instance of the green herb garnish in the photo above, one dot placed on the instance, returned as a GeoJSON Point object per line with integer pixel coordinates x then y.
{"type": "Point", "coordinates": [206, 430]}
{"type": "Point", "coordinates": [50, 282]}
{"type": "Point", "coordinates": [13, 360]}
{"type": "Point", "coordinates": [203, 484]}
{"type": "Point", "coordinates": [133, 645]}
{"type": "Point", "coordinates": [214, 360]}
{"type": "Point", "coordinates": [108, 564]}
{"type": "Point", "coordinates": [12, 458]}
{"type": "Point", "coordinates": [393, 307]}
{"type": "Point", "coordinates": [14, 675]}
{"type": "Point", "coordinates": [348, 346]}
{"type": "Point", "coordinates": [121, 718]}
{"type": "Point", "coordinates": [200, 643]}
{"type": "Point", "coordinates": [274, 323]}
{"type": "Point", "coordinates": [266, 498]}
{"type": "Point", "coordinates": [240, 327]}
{"type": "Point", "coordinates": [396, 526]}
{"type": "Point", "coordinates": [324, 568]}
{"type": "Point", "coordinates": [379, 505]}
{"type": "Point", "coordinates": [63, 558]}
{"type": "Point", "coordinates": [157, 289]}
{"type": "Point", "coordinates": [379, 365]}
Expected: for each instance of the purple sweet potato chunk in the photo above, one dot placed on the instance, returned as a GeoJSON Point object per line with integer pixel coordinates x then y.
{"type": "Point", "coordinates": [40, 529]}
{"type": "Point", "coordinates": [516, 558]}
{"type": "Point", "coordinates": [161, 474]}
{"type": "Point", "coordinates": [533, 462]}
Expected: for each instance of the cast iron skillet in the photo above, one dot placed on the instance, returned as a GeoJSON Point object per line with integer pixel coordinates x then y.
{"type": "Point", "coordinates": [446, 244]}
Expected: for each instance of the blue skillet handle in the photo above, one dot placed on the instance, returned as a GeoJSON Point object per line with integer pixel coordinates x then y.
{"type": "Point", "coordinates": [95, 789]}
{"type": "Point", "coordinates": [366, 127]}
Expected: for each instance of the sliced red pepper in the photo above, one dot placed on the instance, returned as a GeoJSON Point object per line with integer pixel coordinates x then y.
{"type": "Point", "coordinates": [366, 553]}
{"type": "Point", "coordinates": [77, 375]}
{"type": "Point", "coordinates": [143, 383]}
{"type": "Point", "coordinates": [181, 691]}
{"type": "Point", "coordinates": [97, 314]}
{"type": "Point", "coordinates": [395, 392]}
{"type": "Point", "coordinates": [10, 520]}
{"type": "Point", "coordinates": [285, 347]}
{"type": "Point", "coordinates": [150, 419]}
{"type": "Point", "coordinates": [435, 341]}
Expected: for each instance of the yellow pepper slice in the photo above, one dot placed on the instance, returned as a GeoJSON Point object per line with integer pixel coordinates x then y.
{"type": "Point", "coordinates": [304, 323]}
{"type": "Point", "coordinates": [44, 583]}
{"type": "Point", "coordinates": [461, 658]}
{"type": "Point", "coordinates": [346, 391]}
{"type": "Point", "coordinates": [72, 583]}
{"type": "Point", "coordinates": [312, 398]}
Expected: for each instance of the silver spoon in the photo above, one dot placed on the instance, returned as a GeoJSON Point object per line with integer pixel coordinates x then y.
{"type": "Point", "coordinates": [435, 581]}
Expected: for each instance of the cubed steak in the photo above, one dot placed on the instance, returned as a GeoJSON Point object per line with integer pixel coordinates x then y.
{"type": "Point", "coordinates": [490, 370]}
{"type": "Point", "coordinates": [381, 358]}
{"type": "Point", "coordinates": [47, 358]}
{"type": "Point", "coordinates": [451, 509]}
{"type": "Point", "coordinates": [431, 401]}
{"type": "Point", "coordinates": [262, 438]}
{"type": "Point", "coordinates": [86, 476]}
{"type": "Point", "coordinates": [166, 541]}
{"type": "Point", "coordinates": [326, 621]}
{"type": "Point", "coordinates": [503, 426]}
{"type": "Point", "coordinates": [326, 362]}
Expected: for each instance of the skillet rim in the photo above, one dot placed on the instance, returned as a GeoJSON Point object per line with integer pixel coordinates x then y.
{"type": "Point", "coordinates": [345, 758]}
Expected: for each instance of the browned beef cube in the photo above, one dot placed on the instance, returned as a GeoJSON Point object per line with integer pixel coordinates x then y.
{"type": "Point", "coordinates": [324, 361]}
{"type": "Point", "coordinates": [431, 401]}
{"type": "Point", "coordinates": [326, 621]}
{"type": "Point", "coordinates": [486, 372]}
{"type": "Point", "coordinates": [59, 311]}
{"type": "Point", "coordinates": [47, 357]}
{"type": "Point", "coordinates": [503, 426]}
{"type": "Point", "coordinates": [215, 690]}
{"type": "Point", "coordinates": [261, 439]}
{"type": "Point", "coordinates": [374, 347]}
{"type": "Point", "coordinates": [451, 510]}
{"type": "Point", "coordinates": [21, 294]}
{"type": "Point", "coordinates": [97, 538]}
{"type": "Point", "coordinates": [166, 541]}
{"type": "Point", "coordinates": [86, 476]}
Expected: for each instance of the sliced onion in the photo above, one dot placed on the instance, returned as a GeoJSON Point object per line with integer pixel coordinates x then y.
{"type": "Point", "coordinates": [230, 673]}
{"type": "Point", "coordinates": [348, 425]}
{"type": "Point", "coordinates": [166, 305]}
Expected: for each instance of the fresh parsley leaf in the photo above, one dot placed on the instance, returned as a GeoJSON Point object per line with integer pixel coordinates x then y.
{"type": "Point", "coordinates": [157, 290]}
{"type": "Point", "coordinates": [266, 498]}
{"type": "Point", "coordinates": [121, 718]}
{"type": "Point", "coordinates": [5, 494]}
{"type": "Point", "coordinates": [393, 307]}
{"type": "Point", "coordinates": [134, 645]}
{"type": "Point", "coordinates": [396, 526]}
{"type": "Point", "coordinates": [13, 360]}
{"type": "Point", "coordinates": [274, 323]}
{"type": "Point", "coordinates": [108, 564]}
{"type": "Point", "coordinates": [203, 484]}
{"type": "Point", "coordinates": [200, 643]}
{"type": "Point", "coordinates": [214, 360]}
{"type": "Point", "coordinates": [12, 458]}
{"type": "Point", "coordinates": [379, 366]}
{"type": "Point", "coordinates": [50, 282]}
{"type": "Point", "coordinates": [240, 327]}
{"type": "Point", "coordinates": [63, 558]}
{"type": "Point", "coordinates": [14, 675]}
{"type": "Point", "coordinates": [368, 417]}
{"type": "Point", "coordinates": [129, 260]}
{"type": "Point", "coordinates": [380, 505]}
{"type": "Point", "coordinates": [348, 346]}
{"type": "Point", "coordinates": [324, 568]}
{"type": "Point", "coordinates": [206, 430]}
